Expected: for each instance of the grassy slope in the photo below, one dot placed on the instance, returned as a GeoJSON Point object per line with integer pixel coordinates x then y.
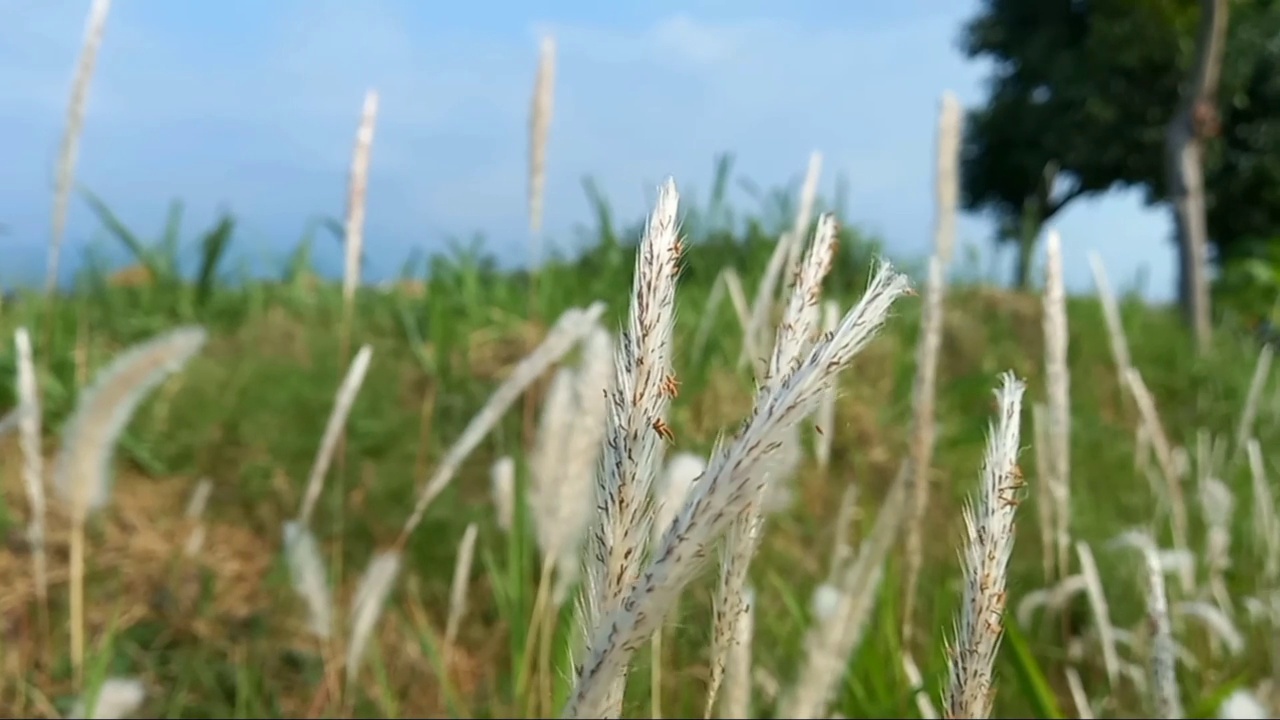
{"type": "Point", "coordinates": [249, 412]}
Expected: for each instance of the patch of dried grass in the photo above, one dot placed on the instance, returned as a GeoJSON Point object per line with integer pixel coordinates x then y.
{"type": "Point", "coordinates": [135, 545]}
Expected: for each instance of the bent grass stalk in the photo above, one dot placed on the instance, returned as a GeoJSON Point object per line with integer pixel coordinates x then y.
{"type": "Point", "coordinates": [81, 470]}
{"type": "Point", "coordinates": [302, 550]}
{"type": "Point", "coordinates": [379, 576]}
{"type": "Point", "coordinates": [345, 398]}
{"type": "Point", "coordinates": [564, 334]}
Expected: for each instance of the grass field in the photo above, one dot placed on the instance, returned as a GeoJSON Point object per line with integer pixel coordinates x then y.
{"type": "Point", "coordinates": [220, 633]}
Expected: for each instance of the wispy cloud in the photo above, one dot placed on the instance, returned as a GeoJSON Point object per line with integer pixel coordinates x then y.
{"type": "Point", "coordinates": [253, 105]}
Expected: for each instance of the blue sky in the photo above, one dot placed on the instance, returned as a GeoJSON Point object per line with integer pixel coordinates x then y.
{"type": "Point", "coordinates": [252, 105]}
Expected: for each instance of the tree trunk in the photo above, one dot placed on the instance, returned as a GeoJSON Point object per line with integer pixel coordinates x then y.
{"type": "Point", "coordinates": [1022, 267]}
{"type": "Point", "coordinates": [1185, 168]}
{"type": "Point", "coordinates": [1033, 219]}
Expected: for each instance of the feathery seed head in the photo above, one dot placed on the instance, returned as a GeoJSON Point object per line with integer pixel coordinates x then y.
{"type": "Point", "coordinates": [81, 471]}
{"type": "Point", "coordinates": [989, 543]}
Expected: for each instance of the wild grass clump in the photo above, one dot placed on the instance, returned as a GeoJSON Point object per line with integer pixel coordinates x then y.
{"type": "Point", "coordinates": [799, 505]}
{"type": "Point", "coordinates": [667, 530]}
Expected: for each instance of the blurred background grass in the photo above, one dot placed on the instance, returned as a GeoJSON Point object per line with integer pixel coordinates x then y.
{"type": "Point", "coordinates": [222, 637]}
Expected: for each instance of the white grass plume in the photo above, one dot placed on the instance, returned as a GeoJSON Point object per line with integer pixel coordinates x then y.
{"type": "Point", "coordinates": [346, 397]}
{"type": "Point", "coordinates": [461, 582]}
{"type": "Point", "coordinates": [370, 599]}
{"type": "Point", "coordinates": [804, 211]}
{"type": "Point", "coordinates": [1046, 507]}
{"type": "Point", "coordinates": [924, 393]}
{"type": "Point", "coordinates": [824, 601]}
{"type": "Point", "coordinates": [1164, 678]}
{"type": "Point", "coordinates": [196, 507]}
{"type": "Point", "coordinates": [502, 487]}
{"type": "Point", "coordinates": [1217, 506]}
{"type": "Point", "coordinates": [1142, 452]}
{"type": "Point", "coordinates": [1058, 386]}
{"type": "Point", "coordinates": [1261, 373]}
{"type": "Point", "coordinates": [637, 412]}
{"type": "Point", "coordinates": [81, 471]}
{"type": "Point", "coordinates": [736, 473]}
{"type": "Point", "coordinates": [1262, 609]}
{"type": "Point", "coordinates": [68, 153]}
{"type": "Point", "coordinates": [358, 186]}
{"type": "Point", "coordinates": [796, 333]}
{"type": "Point", "coordinates": [199, 500]}
{"type": "Point", "coordinates": [308, 576]}
{"type": "Point", "coordinates": [990, 528]}
{"type": "Point", "coordinates": [29, 424]}
{"type": "Point", "coordinates": [548, 494]}
{"type": "Point", "coordinates": [947, 179]}
{"type": "Point", "coordinates": [1266, 527]}
{"type": "Point", "coordinates": [593, 380]}
{"type": "Point", "coordinates": [780, 493]}
{"type": "Point", "coordinates": [540, 110]}
{"type": "Point", "coordinates": [737, 296]}
{"type": "Point", "coordinates": [1242, 705]}
{"type": "Point", "coordinates": [117, 698]}
{"type": "Point", "coordinates": [566, 456]}
{"type": "Point", "coordinates": [782, 262]}
{"type": "Point", "coordinates": [82, 468]}
{"type": "Point", "coordinates": [924, 386]}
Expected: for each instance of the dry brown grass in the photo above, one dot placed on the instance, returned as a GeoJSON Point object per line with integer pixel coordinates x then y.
{"type": "Point", "coordinates": [136, 556]}
{"type": "Point", "coordinates": [134, 276]}
{"type": "Point", "coordinates": [136, 545]}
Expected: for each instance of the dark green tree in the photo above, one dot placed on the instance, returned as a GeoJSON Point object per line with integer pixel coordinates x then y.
{"type": "Point", "coordinates": [1244, 170]}
{"type": "Point", "coordinates": [1080, 98]}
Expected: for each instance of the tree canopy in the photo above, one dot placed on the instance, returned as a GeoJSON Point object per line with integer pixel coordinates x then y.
{"type": "Point", "coordinates": [1087, 88]}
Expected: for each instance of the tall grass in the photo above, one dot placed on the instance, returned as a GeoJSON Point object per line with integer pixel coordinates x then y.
{"type": "Point", "coordinates": [663, 485]}
{"type": "Point", "coordinates": [227, 408]}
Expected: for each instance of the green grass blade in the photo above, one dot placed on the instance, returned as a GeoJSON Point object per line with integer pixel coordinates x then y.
{"type": "Point", "coordinates": [1031, 678]}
